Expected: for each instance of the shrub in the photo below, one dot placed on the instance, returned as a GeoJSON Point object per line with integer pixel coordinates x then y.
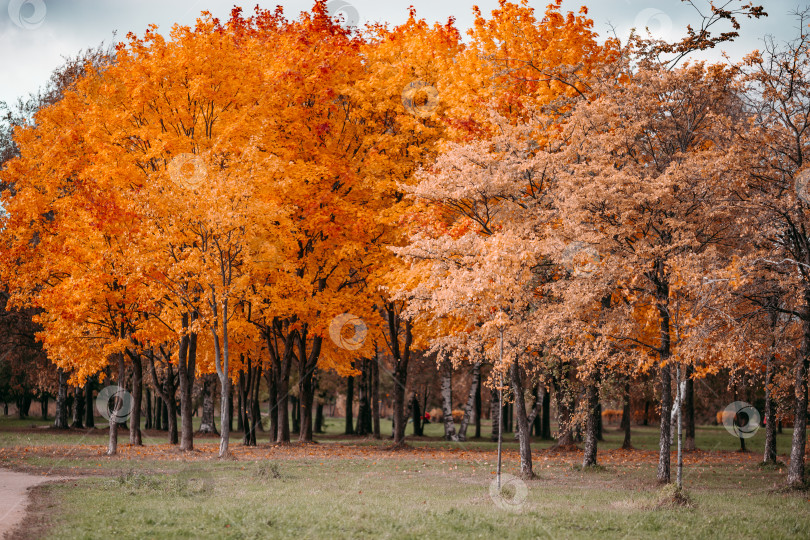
{"type": "Point", "coordinates": [268, 470]}
{"type": "Point", "coordinates": [672, 496]}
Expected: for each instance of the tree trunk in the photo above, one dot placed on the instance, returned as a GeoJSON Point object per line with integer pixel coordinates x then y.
{"type": "Point", "coordinates": [148, 416]}
{"type": "Point", "coordinates": [522, 422]}
{"type": "Point", "coordinates": [593, 416]}
{"type": "Point", "coordinates": [43, 406]}
{"type": "Point", "coordinates": [186, 368]}
{"type": "Point", "coordinates": [241, 408]}
{"type": "Point", "coordinates": [534, 414]}
{"type": "Point", "coordinates": [425, 395]}
{"type": "Point", "coordinates": [494, 411]}
{"type": "Point", "coordinates": [795, 477]}
{"type": "Point", "coordinates": [478, 407]}
{"type": "Point", "coordinates": [255, 410]}
{"type": "Point", "coordinates": [161, 419]}
{"type": "Point", "coordinates": [689, 410]}
{"type": "Point", "coordinates": [282, 368]}
{"type": "Point", "coordinates": [249, 394]}
{"type": "Point", "coordinates": [626, 418]}
{"type": "Point", "coordinates": [135, 415]}
{"type": "Point", "coordinates": [546, 433]}
{"type": "Point", "coordinates": [78, 408]}
{"type": "Point", "coordinates": [224, 414]}
{"type": "Point", "coordinates": [230, 410]}
{"type": "Point", "coordinates": [165, 411]}
{"type": "Point", "coordinates": [282, 364]}
{"type": "Point", "coordinates": [770, 424]}
{"type": "Point", "coordinates": [61, 418]}
{"type": "Point", "coordinates": [447, 401]}
{"type": "Point", "coordinates": [307, 366]}
{"type": "Point", "coordinates": [401, 356]}
{"type": "Point", "coordinates": [171, 406]}
{"type": "Point", "coordinates": [319, 418]}
{"type": "Point", "coordinates": [769, 455]}
{"type": "Point", "coordinates": [349, 428]}
{"type": "Point", "coordinates": [89, 416]}
{"type": "Point", "coordinates": [156, 415]}
{"type": "Point", "coordinates": [400, 378]}
{"type": "Point", "coordinates": [112, 443]}
{"type": "Point", "coordinates": [664, 442]}
{"type": "Point", "coordinates": [469, 410]}
{"type": "Point", "coordinates": [209, 386]}
{"type": "Point", "coordinates": [368, 418]}
{"type": "Point", "coordinates": [364, 407]}
{"type": "Point", "coordinates": [240, 403]}
{"type": "Point", "coordinates": [375, 394]}
{"type": "Point", "coordinates": [272, 409]}
{"type": "Point", "coordinates": [417, 416]}
{"type": "Point", "coordinates": [564, 406]}
{"type": "Point", "coordinates": [510, 412]}
{"type": "Point", "coordinates": [23, 404]}
{"type": "Point", "coordinates": [537, 426]}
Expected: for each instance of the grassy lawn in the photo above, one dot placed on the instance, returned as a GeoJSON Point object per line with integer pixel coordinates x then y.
{"type": "Point", "coordinates": [435, 490]}
{"type": "Point", "coordinates": [343, 498]}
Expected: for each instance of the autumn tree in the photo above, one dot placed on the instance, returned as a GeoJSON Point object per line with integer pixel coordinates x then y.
{"type": "Point", "coordinates": [644, 183]}
{"type": "Point", "coordinates": [775, 156]}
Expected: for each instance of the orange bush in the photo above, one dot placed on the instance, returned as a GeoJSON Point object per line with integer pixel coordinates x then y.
{"type": "Point", "coordinates": [652, 415]}
{"type": "Point", "coordinates": [610, 416]}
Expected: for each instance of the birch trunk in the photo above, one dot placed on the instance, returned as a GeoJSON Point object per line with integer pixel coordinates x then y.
{"type": "Point", "coordinates": [689, 410]}
{"type": "Point", "coordinates": [78, 408]}
{"type": "Point", "coordinates": [61, 417]}
{"type": "Point", "coordinates": [494, 412]}
{"type": "Point", "coordinates": [795, 477]}
{"type": "Point", "coordinates": [112, 443]}
{"type": "Point", "coordinates": [447, 401]}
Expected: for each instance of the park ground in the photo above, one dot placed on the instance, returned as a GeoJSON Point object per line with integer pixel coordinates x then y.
{"type": "Point", "coordinates": [351, 487]}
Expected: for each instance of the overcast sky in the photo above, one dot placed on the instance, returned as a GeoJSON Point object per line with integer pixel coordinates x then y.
{"type": "Point", "coordinates": [36, 34]}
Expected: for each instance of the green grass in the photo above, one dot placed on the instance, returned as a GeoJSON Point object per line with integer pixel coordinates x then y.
{"type": "Point", "coordinates": [435, 495]}
{"type": "Point", "coordinates": [344, 498]}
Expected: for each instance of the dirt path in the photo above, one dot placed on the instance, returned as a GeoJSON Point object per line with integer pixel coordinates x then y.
{"type": "Point", "coordinates": [14, 496]}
